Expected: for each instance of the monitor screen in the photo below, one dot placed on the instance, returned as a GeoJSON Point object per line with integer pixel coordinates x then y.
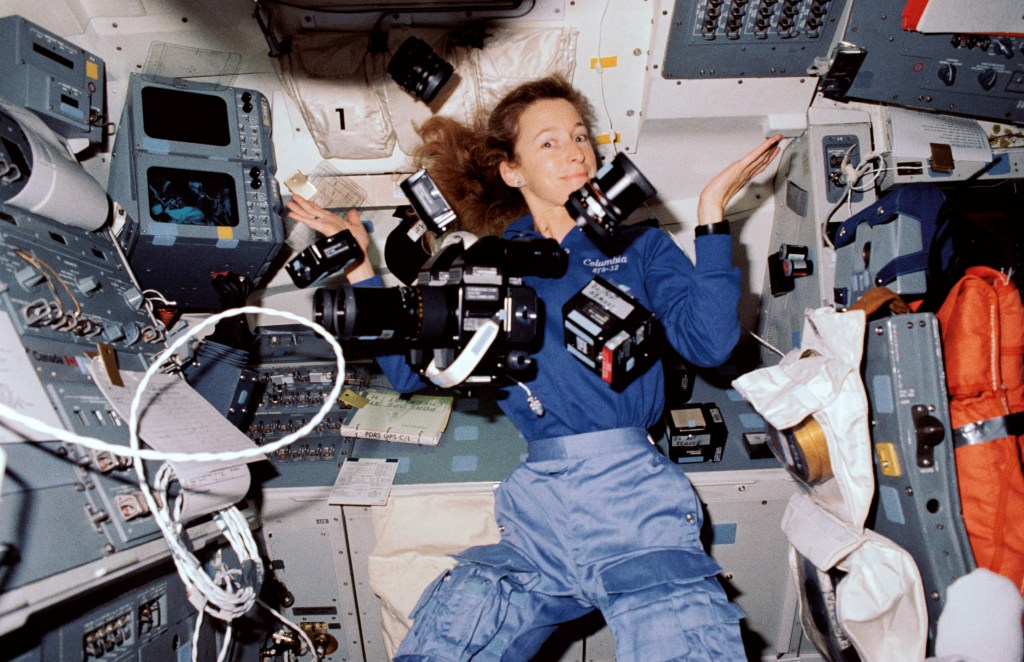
{"type": "Point", "coordinates": [187, 117]}
{"type": "Point", "coordinates": [191, 197]}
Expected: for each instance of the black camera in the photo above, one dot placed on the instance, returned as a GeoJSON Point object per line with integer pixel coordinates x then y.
{"type": "Point", "coordinates": [406, 248]}
{"type": "Point", "coordinates": [323, 258]}
{"type": "Point", "coordinates": [419, 70]}
{"type": "Point", "coordinates": [610, 332]}
{"type": "Point", "coordinates": [428, 202]}
{"type": "Point", "coordinates": [468, 317]}
{"type": "Point", "coordinates": [602, 204]}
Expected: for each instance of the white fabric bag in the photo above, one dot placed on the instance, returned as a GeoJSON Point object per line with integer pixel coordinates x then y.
{"type": "Point", "coordinates": [338, 87]}
{"type": "Point", "coordinates": [880, 600]}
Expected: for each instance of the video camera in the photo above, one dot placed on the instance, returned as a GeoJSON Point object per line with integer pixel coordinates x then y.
{"type": "Point", "coordinates": [468, 317]}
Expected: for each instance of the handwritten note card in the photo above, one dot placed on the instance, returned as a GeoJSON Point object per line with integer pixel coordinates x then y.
{"type": "Point", "coordinates": [363, 482]}
{"type": "Point", "coordinates": [175, 418]}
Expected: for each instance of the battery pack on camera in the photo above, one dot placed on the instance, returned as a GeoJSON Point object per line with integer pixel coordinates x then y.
{"type": "Point", "coordinates": [610, 332]}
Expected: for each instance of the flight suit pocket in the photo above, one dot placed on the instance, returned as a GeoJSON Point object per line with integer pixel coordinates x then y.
{"type": "Point", "coordinates": [463, 609]}
{"type": "Point", "coordinates": [667, 605]}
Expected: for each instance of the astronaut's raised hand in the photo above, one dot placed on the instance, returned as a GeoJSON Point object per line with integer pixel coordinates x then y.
{"type": "Point", "coordinates": [328, 223]}
{"type": "Point", "coordinates": [720, 190]}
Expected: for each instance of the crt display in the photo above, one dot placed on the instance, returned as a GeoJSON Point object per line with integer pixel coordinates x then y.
{"type": "Point", "coordinates": [191, 197]}
{"type": "Point", "coordinates": [187, 117]}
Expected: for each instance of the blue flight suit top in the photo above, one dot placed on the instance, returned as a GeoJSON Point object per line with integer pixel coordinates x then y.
{"type": "Point", "coordinates": [696, 305]}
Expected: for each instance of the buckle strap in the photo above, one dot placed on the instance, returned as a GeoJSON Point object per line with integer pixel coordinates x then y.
{"type": "Point", "coordinates": [980, 432]}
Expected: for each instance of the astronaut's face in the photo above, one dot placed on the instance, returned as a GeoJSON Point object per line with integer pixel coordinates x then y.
{"type": "Point", "coordinates": [554, 154]}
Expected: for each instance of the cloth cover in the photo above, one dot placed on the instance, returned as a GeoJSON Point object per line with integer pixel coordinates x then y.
{"type": "Point", "coordinates": [880, 601]}
{"type": "Point", "coordinates": [332, 78]}
{"type": "Point", "coordinates": [415, 536]}
{"type": "Point", "coordinates": [328, 71]}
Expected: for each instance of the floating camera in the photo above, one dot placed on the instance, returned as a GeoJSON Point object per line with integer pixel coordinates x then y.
{"type": "Point", "coordinates": [407, 248]}
{"type": "Point", "coordinates": [419, 70]}
{"type": "Point", "coordinates": [602, 204]}
{"type": "Point", "coordinates": [458, 292]}
{"type": "Point", "coordinates": [323, 258]}
{"type": "Point", "coordinates": [428, 202]}
{"type": "Point", "coordinates": [610, 332]}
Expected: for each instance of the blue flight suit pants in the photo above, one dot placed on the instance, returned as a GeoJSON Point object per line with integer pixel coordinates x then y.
{"type": "Point", "coordinates": [597, 520]}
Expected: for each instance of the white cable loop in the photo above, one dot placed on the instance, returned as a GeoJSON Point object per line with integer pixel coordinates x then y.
{"type": "Point", "coordinates": [230, 593]}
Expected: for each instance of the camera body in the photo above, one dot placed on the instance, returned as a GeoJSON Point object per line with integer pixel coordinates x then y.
{"type": "Point", "coordinates": [468, 316]}
{"type": "Point", "coordinates": [603, 204]}
{"type": "Point", "coordinates": [610, 332]}
{"type": "Point", "coordinates": [323, 258]}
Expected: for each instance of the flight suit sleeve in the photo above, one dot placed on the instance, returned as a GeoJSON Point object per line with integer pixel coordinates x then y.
{"type": "Point", "coordinates": [697, 304]}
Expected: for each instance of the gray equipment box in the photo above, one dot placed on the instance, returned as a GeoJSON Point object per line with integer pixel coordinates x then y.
{"type": "Point", "coordinates": [918, 501]}
{"type": "Point", "coordinates": [59, 82]}
{"type": "Point", "coordinates": [888, 244]}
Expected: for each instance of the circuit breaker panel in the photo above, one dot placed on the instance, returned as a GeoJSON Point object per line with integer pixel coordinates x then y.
{"type": "Point", "coordinates": [65, 297]}
{"type": "Point", "coordinates": [749, 38]}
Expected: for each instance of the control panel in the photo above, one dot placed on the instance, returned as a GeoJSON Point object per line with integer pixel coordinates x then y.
{"type": "Point", "coordinates": [842, 153]}
{"type": "Point", "coordinates": [964, 74]}
{"type": "Point", "coordinates": [299, 371]}
{"type": "Point", "coordinates": [749, 38]}
{"type": "Point", "coordinates": [146, 617]}
{"type": "Point", "coordinates": [53, 78]}
{"type": "Point", "coordinates": [253, 127]}
{"type": "Point", "coordinates": [66, 296]}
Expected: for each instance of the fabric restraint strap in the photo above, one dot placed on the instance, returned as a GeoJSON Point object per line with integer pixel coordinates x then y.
{"type": "Point", "coordinates": [979, 432]}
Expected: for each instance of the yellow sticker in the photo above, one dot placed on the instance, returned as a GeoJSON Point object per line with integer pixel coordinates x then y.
{"type": "Point", "coordinates": [606, 138]}
{"type": "Point", "coordinates": [352, 399]}
{"type": "Point", "coordinates": [888, 459]}
{"type": "Point", "coordinates": [224, 232]}
{"type": "Point", "coordinates": [92, 70]}
{"type": "Point", "coordinates": [606, 62]}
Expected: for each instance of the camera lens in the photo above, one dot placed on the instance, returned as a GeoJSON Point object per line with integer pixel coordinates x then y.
{"type": "Point", "coordinates": [419, 70]}
{"type": "Point", "coordinates": [415, 314]}
{"type": "Point", "coordinates": [604, 202]}
{"type": "Point", "coordinates": [519, 257]}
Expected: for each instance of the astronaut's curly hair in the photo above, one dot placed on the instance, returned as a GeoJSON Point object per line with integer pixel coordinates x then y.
{"type": "Point", "coordinates": [463, 160]}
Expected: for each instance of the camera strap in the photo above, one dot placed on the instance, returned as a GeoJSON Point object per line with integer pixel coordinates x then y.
{"type": "Point", "coordinates": [462, 367]}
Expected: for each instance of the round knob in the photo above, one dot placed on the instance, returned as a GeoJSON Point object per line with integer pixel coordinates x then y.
{"type": "Point", "coordinates": [1004, 47]}
{"type": "Point", "coordinates": [519, 360]}
{"type": "Point", "coordinates": [988, 78]}
{"type": "Point", "coordinates": [947, 73]}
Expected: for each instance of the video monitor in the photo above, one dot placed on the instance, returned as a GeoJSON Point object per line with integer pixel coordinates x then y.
{"type": "Point", "coordinates": [191, 197]}
{"type": "Point", "coordinates": [193, 169]}
{"type": "Point", "coordinates": [185, 116]}
{"type": "Point", "coordinates": [197, 119]}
